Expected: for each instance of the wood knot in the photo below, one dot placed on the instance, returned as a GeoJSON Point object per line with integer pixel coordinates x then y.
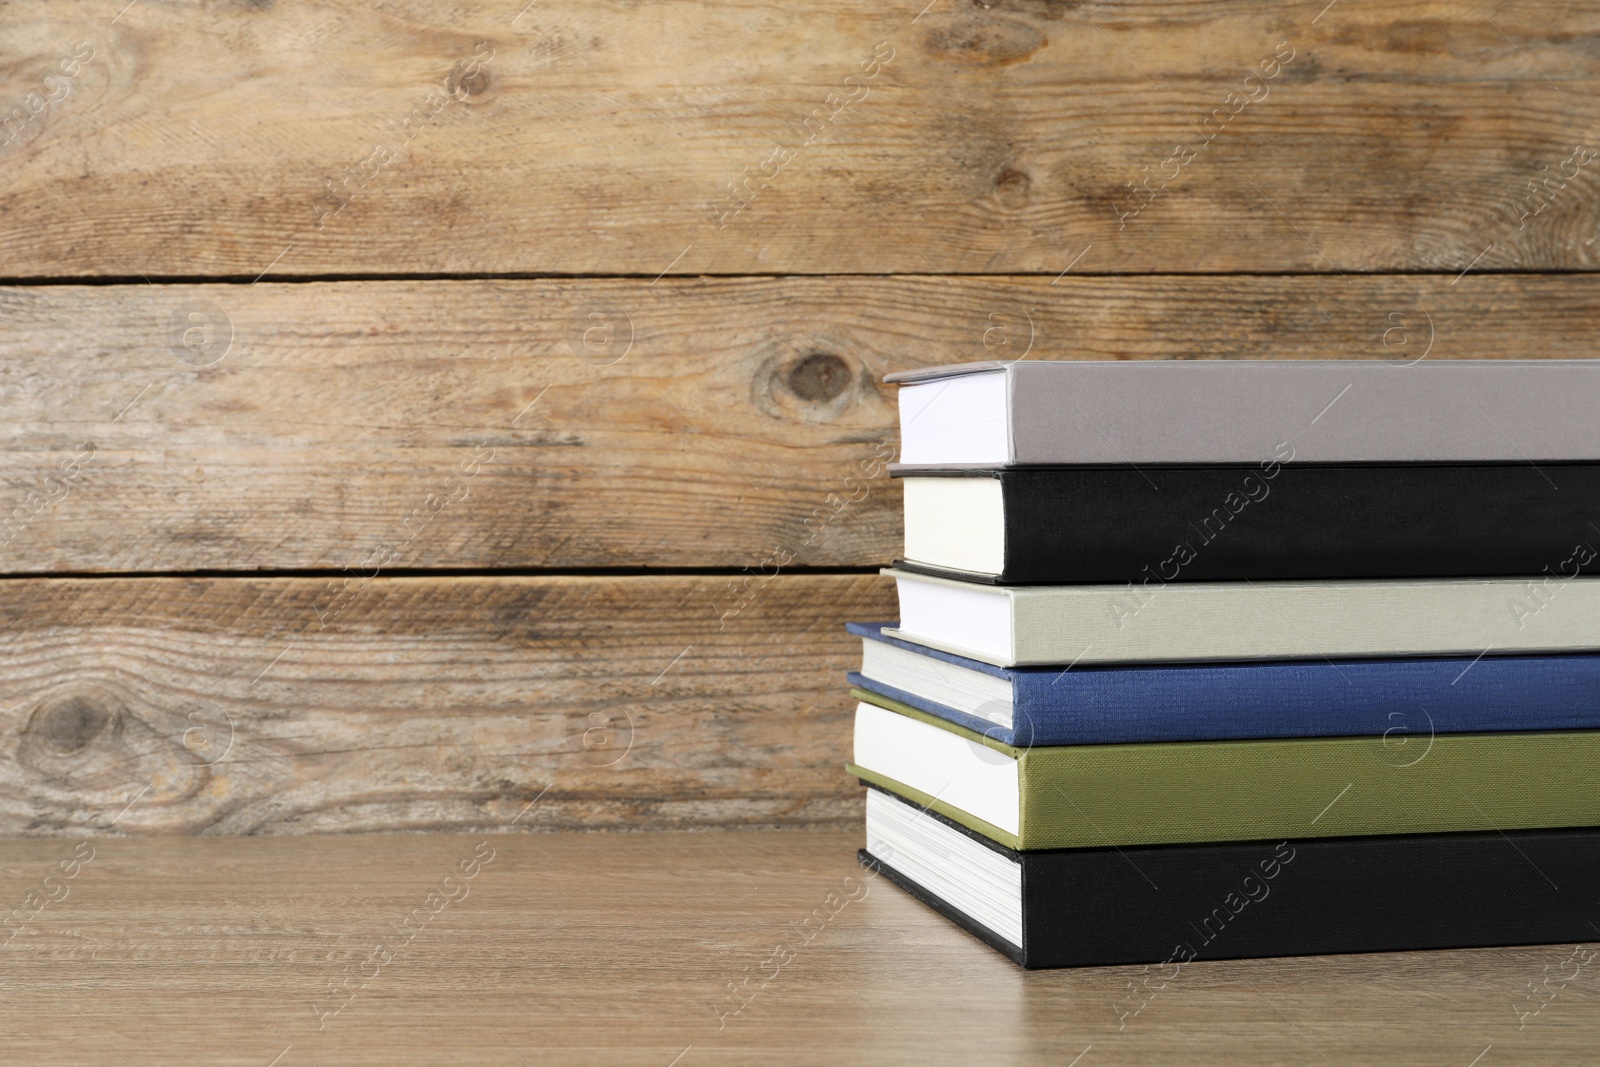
{"type": "Point", "coordinates": [984, 40]}
{"type": "Point", "coordinates": [811, 377]}
{"type": "Point", "coordinates": [71, 725]}
{"type": "Point", "coordinates": [468, 85]}
{"type": "Point", "coordinates": [819, 377]}
{"type": "Point", "coordinates": [1012, 189]}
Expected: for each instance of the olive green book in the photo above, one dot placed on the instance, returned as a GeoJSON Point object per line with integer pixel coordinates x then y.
{"type": "Point", "coordinates": [1094, 796]}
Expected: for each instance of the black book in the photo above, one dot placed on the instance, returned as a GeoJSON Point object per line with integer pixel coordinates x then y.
{"type": "Point", "coordinates": [1270, 520]}
{"type": "Point", "coordinates": [1172, 904]}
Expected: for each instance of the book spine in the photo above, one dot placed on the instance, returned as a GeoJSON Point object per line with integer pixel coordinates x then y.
{"type": "Point", "coordinates": [1014, 443]}
{"type": "Point", "coordinates": [1148, 528]}
{"type": "Point", "coordinates": [1213, 621]}
{"type": "Point", "coordinates": [1358, 411]}
{"type": "Point", "coordinates": [1097, 796]}
{"type": "Point", "coordinates": [1171, 906]}
{"type": "Point", "coordinates": [1402, 701]}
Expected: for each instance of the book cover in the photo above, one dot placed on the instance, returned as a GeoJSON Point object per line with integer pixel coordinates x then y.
{"type": "Point", "coordinates": [1241, 411]}
{"type": "Point", "coordinates": [1088, 796]}
{"type": "Point", "coordinates": [1171, 905]}
{"type": "Point", "coordinates": [1275, 520]}
{"type": "Point", "coordinates": [1403, 701]}
{"type": "Point", "coordinates": [1174, 622]}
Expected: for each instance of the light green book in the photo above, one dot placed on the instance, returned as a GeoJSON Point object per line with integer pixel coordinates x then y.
{"type": "Point", "coordinates": [1095, 796]}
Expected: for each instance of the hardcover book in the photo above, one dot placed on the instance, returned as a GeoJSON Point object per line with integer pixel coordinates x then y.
{"type": "Point", "coordinates": [1090, 796]}
{"type": "Point", "coordinates": [1273, 520]}
{"type": "Point", "coordinates": [1402, 700]}
{"type": "Point", "coordinates": [1152, 621]}
{"type": "Point", "coordinates": [1173, 904]}
{"type": "Point", "coordinates": [1044, 413]}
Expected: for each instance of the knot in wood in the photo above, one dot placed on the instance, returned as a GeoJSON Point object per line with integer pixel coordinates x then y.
{"type": "Point", "coordinates": [70, 725]}
{"type": "Point", "coordinates": [1012, 188]}
{"type": "Point", "coordinates": [819, 377]}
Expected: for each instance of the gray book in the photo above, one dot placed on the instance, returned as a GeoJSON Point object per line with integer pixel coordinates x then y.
{"type": "Point", "coordinates": [1072, 413]}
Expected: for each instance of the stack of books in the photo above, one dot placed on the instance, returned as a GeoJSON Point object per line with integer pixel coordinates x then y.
{"type": "Point", "coordinates": [1205, 660]}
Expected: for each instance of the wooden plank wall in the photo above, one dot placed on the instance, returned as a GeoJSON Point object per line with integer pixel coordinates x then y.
{"type": "Point", "coordinates": [421, 415]}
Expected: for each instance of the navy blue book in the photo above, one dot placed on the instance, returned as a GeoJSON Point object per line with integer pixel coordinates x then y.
{"type": "Point", "coordinates": [1403, 700]}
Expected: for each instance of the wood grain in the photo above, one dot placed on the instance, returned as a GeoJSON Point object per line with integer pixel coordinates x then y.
{"type": "Point", "coordinates": [616, 137]}
{"type": "Point", "coordinates": [605, 423]}
{"type": "Point", "coordinates": [621, 949]}
{"type": "Point", "coordinates": [241, 705]}
{"type": "Point", "coordinates": [672, 368]}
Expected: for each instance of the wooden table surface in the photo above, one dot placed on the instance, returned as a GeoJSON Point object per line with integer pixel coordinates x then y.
{"type": "Point", "coordinates": [622, 948]}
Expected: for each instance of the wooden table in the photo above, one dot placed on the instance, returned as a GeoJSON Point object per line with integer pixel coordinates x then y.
{"type": "Point", "coordinates": [411, 410]}
{"type": "Point", "coordinates": [622, 947]}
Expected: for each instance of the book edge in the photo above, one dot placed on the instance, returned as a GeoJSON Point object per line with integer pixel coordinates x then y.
{"type": "Point", "coordinates": [930, 803]}
{"type": "Point", "coordinates": [1015, 953]}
